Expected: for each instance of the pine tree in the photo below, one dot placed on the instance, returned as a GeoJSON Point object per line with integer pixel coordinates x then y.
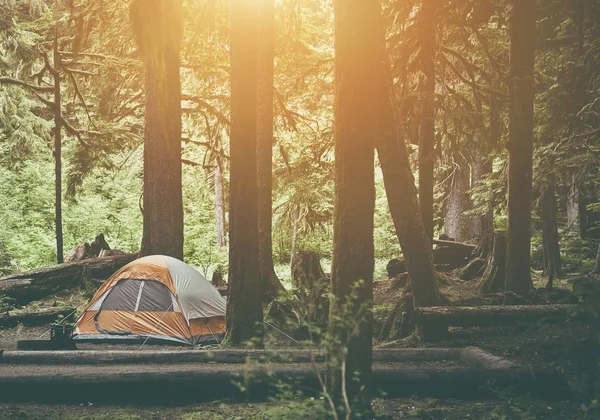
{"type": "Point", "coordinates": [353, 250]}
{"type": "Point", "coordinates": [244, 306]}
{"type": "Point", "coordinates": [520, 146]}
{"type": "Point", "coordinates": [158, 29]}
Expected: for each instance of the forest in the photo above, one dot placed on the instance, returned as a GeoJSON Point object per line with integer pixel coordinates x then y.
{"type": "Point", "coordinates": [397, 201]}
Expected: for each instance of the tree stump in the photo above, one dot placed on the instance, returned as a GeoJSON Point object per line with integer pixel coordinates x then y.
{"type": "Point", "coordinates": [98, 248]}
{"type": "Point", "coordinates": [484, 246]}
{"type": "Point", "coordinates": [473, 270]}
{"type": "Point", "coordinates": [494, 277]}
{"type": "Point", "coordinates": [596, 269]}
{"type": "Point", "coordinates": [311, 286]}
{"type": "Point", "coordinates": [217, 277]}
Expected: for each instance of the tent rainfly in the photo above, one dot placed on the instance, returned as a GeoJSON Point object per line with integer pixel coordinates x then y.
{"type": "Point", "coordinates": [158, 298]}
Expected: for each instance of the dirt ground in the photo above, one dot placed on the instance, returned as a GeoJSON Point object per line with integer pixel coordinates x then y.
{"type": "Point", "coordinates": [541, 345]}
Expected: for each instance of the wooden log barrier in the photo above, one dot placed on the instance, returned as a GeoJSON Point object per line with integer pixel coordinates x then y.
{"type": "Point", "coordinates": [490, 316]}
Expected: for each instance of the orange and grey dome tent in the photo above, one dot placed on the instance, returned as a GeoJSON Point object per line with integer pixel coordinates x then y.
{"type": "Point", "coordinates": [157, 298]}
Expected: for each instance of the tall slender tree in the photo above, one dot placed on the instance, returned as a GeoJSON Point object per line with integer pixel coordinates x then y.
{"type": "Point", "coordinates": [400, 185]}
{"type": "Point", "coordinates": [353, 250]}
{"type": "Point", "coordinates": [55, 71]}
{"type": "Point", "coordinates": [520, 145]}
{"type": "Point", "coordinates": [157, 25]}
{"type": "Point", "coordinates": [427, 27]}
{"type": "Point", "coordinates": [272, 287]}
{"type": "Point", "coordinates": [244, 306]}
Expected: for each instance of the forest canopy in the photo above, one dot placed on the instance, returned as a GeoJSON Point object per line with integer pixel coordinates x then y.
{"type": "Point", "coordinates": [463, 70]}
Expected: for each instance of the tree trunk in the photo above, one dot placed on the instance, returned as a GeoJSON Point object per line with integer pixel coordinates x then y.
{"type": "Point", "coordinates": [494, 277]}
{"type": "Point", "coordinates": [457, 225]}
{"type": "Point", "coordinates": [58, 154]}
{"type": "Point", "coordinates": [244, 306]}
{"type": "Point", "coordinates": [481, 168]}
{"type": "Point", "coordinates": [401, 191]}
{"type": "Point", "coordinates": [551, 247]}
{"type": "Point", "coordinates": [220, 204]}
{"type": "Point", "coordinates": [158, 29]}
{"type": "Point", "coordinates": [295, 235]}
{"type": "Point", "coordinates": [356, 27]}
{"type": "Point", "coordinates": [573, 207]}
{"type": "Point", "coordinates": [271, 285]}
{"type": "Point", "coordinates": [428, 26]}
{"type": "Point", "coordinates": [596, 269]}
{"type": "Point", "coordinates": [520, 147]}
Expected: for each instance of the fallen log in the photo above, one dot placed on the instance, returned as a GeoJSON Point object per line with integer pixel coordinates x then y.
{"type": "Point", "coordinates": [490, 316]}
{"type": "Point", "coordinates": [192, 383]}
{"type": "Point", "coordinates": [33, 318]}
{"type": "Point", "coordinates": [31, 285]}
{"type": "Point", "coordinates": [447, 255]}
{"type": "Point", "coordinates": [455, 245]}
{"type": "Point", "coordinates": [231, 356]}
{"type": "Point", "coordinates": [479, 358]}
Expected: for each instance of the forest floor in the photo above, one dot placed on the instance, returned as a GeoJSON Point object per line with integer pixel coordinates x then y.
{"type": "Point", "coordinates": [540, 345]}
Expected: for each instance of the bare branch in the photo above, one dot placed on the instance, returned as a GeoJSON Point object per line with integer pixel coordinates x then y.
{"type": "Point", "coordinates": [35, 88]}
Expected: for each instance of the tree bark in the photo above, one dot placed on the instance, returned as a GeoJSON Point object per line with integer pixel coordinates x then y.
{"type": "Point", "coordinates": [271, 285]}
{"type": "Point", "coordinates": [550, 244]}
{"type": "Point", "coordinates": [573, 207]}
{"type": "Point", "coordinates": [244, 306]}
{"type": "Point", "coordinates": [457, 225]}
{"type": "Point", "coordinates": [220, 203]}
{"type": "Point", "coordinates": [494, 277]}
{"type": "Point", "coordinates": [520, 146]}
{"type": "Point", "coordinates": [428, 25]}
{"type": "Point", "coordinates": [400, 189]}
{"type": "Point", "coordinates": [481, 168]}
{"type": "Point", "coordinates": [353, 259]}
{"type": "Point", "coordinates": [158, 28]}
{"type": "Point", "coordinates": [58, 154]}
{"type": "Point", "coordinates": [596, 269]}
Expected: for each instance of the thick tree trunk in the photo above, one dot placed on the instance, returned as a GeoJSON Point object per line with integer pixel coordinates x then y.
{"type": "Point", "coordinates": [220, 204]}
{"type": "Point", "coordinates": [32, 285]}
{"type": "Point", "coordinates": [272, 287]}
{"type": "Point", "coordinates": [428, 25]}
{"type": "Point", "coordinates": [244, 305]}
{"type": "Point", "coordinates": [551, 247]}
{"type": "Point", "coordinates": [457, 225]}
{"type": "Point", "coordinates": [494, 277]}
{"type": "Point", "coordinates": [520, 147]}
{"type": "Point", "coordinates": [58, 154]}
{"type": "Point", "coordinates": [356, 106]}
{"type": "Point", "coordinates": [158, 29]}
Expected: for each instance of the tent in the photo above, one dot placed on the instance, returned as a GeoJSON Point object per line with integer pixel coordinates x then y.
{"type": "Point", "coordinates": [157, 298]}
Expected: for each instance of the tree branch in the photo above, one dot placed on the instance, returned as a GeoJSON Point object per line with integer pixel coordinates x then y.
{"type": "Point", "coordinates": [35, 88]}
